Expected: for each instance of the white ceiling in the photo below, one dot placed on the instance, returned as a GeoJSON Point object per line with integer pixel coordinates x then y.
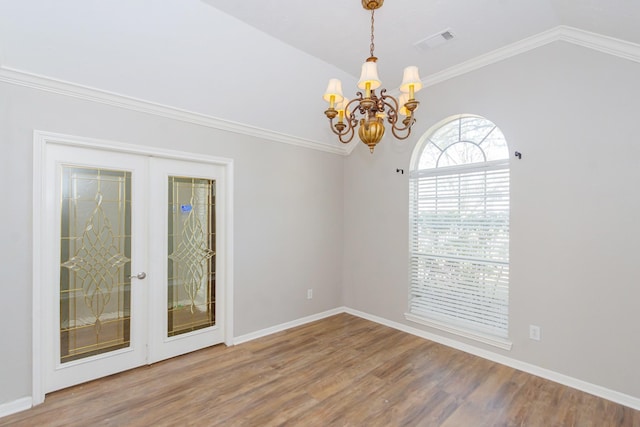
{"type": "Point", "coordinates": [229, 60]}
{"type": "Point", "coordinates": [337, 31]}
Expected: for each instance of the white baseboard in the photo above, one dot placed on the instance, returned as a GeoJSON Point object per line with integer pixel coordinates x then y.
{"type": "Point", "coordinates": [288, 325]}
{"type": "Point", "coordinates": [596, 390]}
{"type": "Point", "coordinates": [19, 405]}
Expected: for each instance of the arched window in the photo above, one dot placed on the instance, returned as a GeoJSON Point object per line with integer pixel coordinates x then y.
{"type": "Point", "coordinates": [459, 225]}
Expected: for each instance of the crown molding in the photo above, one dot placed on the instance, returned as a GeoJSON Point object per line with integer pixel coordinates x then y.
{"type": "Point", "coordinates": [350, 147]}
{"type": "Point", "coordinates": [598, 42]}
{"type": "Point", "coordinates": [601, 43]}
{"type": "Point", "coordinates": [605, 44]}
{"type": "Point", "coordinates": [48, 84]}
{"type": "Point", "coordinates": [609, 45]}
{"type": "Point", "coordinates": [492, 57]}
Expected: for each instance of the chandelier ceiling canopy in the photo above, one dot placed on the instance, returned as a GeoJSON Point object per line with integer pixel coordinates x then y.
{"type": "Point", "coordinates": [368, 111]}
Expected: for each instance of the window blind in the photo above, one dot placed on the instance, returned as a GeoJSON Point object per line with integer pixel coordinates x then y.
{"type": "Point", "coordinates": [459, 271]}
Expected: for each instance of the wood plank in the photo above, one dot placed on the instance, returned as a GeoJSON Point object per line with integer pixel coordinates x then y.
{"type": "Point", "coordinates": [342, 370]}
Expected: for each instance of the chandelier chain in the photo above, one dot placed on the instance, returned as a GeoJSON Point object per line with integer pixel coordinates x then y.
{"type": "Point", "coordinates": [372, 46]}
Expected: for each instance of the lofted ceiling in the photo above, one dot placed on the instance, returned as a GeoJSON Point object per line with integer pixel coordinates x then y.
{"type": "Point", "coordinates": [337, 31]}
{"type": "Point", "coordinates": [222, 63]}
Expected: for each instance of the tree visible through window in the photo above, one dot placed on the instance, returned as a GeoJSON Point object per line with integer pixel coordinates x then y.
{"type": "Point", "coordinates": [459, 224]}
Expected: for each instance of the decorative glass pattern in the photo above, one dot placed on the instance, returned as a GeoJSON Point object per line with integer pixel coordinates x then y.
{"type": "Point", "coordinates": [191, 254]}
{"type": "Point", "coordinates": [95, 261]}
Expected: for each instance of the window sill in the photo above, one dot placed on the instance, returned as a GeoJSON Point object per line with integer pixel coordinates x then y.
{"type": "Point", "coordinates": [502, 343]}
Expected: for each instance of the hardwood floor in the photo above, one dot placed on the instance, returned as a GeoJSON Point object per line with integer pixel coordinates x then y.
{"type": "Point", "coordinates": [339, 371]}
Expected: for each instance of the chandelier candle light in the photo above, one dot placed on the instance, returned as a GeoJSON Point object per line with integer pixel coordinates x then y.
{"type": "Point", "coordinates": [370, 107]}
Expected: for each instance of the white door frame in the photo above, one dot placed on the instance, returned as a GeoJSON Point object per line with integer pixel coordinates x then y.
{"type": "Point", "coordinates": [40, 141]}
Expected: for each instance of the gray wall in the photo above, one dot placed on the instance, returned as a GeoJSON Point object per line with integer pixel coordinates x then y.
{"type": "Point", "coordinates": [287, 224]}
{"type": "Point", "coordinates": [575, 206]}
{"type": "Point", "coordinates": [304, 218]}
{"type": "Point", "coordinates": [186, 54]}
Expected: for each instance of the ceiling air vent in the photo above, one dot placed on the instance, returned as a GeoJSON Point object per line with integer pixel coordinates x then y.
{"type": "Point", "coordinates": [435, 40]}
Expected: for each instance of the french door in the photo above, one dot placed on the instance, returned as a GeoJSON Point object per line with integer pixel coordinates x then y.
{"type": "Point", "coordinates": [187, 315]}
{"type": "Point", "coordinates": [134, 261]}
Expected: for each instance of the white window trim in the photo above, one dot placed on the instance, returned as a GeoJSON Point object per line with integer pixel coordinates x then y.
{"type": "Point", "coordinates": [451, 170]}
{"type": "Point", "coordinates": [502, 343]}
{"type": "Point", "coordinates": [415, 173]}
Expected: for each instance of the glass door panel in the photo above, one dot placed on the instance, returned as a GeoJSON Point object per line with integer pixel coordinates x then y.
{"type": "Point", "coordinates": [191, 255]}
{"type": "Point", "coordinates": [94, 225]}
{"type": "Point", "coordinates": [131, 273]}
{"type": "Point", "coordinates": [186, 261]}
{"type": "Point", "coordinates": [95, 262]}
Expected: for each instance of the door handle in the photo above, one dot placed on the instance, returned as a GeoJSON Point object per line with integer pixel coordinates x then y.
{"type": "Point", "coordinates": [138, 276]}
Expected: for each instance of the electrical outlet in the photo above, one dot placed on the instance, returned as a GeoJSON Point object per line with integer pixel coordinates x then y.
{"type": "Point", "coordinates": [534, 332]}
{"type": "Point", "coordinates": [309, 293]}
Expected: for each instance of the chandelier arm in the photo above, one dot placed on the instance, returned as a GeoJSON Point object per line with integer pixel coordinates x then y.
{"type": "Point", "coordinates": [350, 119]}
{"type": "Point", "coordinates": [395, 131]}
{"type": "Point", "coordinates": [394, 116]}
{"type": "Point", "coordinates": [385, 98]}
{"type": "Point", "coordinates": [382, 101]}
{"type": "Point", "coordinates": [407, 124]}
{"type": "Point", "coordinates": [358, 107]}
{"type": "Point", "coordinates": [348, 132]}
{"type": "Point", "coordinates": [406, 128]}
{"type": "Point", "coordinates": [353, 101]}
{"type": "Point", "coordinates": [334, 130]}
{"type": "Point", "coordinates": [351, 131]}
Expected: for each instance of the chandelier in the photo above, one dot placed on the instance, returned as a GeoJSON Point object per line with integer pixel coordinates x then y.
{"type": "Point", "coordinates": [369, 110]}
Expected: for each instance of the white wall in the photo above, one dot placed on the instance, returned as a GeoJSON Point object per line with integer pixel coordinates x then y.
{"type": "Point", "coordinates": [288, 215]}
{"type": "Point", "coordinates": [575, 205]}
